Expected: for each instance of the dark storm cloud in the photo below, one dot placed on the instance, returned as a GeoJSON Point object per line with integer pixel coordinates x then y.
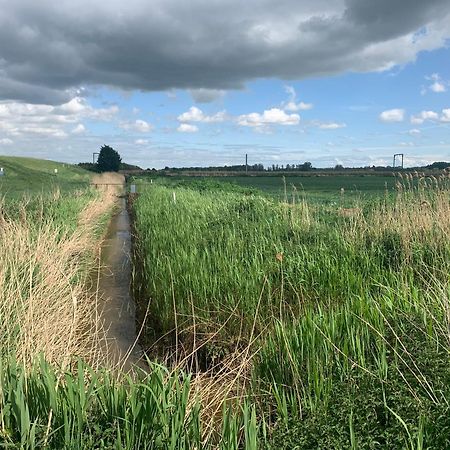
{"type": "Point", "coordinates": [48, 49]}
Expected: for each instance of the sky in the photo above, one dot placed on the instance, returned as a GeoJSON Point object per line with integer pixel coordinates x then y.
{"type": "Point", "coordinates": [204, 82]}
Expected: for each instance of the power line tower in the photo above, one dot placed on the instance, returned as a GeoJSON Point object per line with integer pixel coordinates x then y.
{"type": "Point", "coordinates": [395, 159]}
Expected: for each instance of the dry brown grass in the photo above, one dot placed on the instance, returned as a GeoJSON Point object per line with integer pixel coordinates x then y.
{"type": "Point", "coordinates": [45, 305]}
{"type": "Point", "coordinates": [420, 213]}
{"type": "Point", "coordinates": [349, 212]}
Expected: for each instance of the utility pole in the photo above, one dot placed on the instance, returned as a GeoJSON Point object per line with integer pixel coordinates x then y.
{"type": "Point", "coordinates": [246, 164]}
{"type": "Point", "coordinates": [395, 156]}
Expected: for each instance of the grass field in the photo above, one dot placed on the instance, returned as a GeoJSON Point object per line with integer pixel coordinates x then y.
{"type": "Point", "coordinates": [323, 189]}
{"type": "Point", "coordinates": [334, 320]}
{"type": "Point", "coordinates": [309, 321]}
{"type": "Point", "coordinates": [32, 176]}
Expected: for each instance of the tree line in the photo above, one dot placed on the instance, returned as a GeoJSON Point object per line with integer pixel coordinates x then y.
{"type": "Point", "coordinates": [109, 160]}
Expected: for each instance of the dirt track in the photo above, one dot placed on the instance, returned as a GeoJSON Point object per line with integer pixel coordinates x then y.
{"type": "Point", "coordinates": [108, 178]}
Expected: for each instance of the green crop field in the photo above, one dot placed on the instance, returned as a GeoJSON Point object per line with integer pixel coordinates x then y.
{"type": "Point", "coordinates": [323, 187]}
{"type": "Point", "coordinates": [320, 188]}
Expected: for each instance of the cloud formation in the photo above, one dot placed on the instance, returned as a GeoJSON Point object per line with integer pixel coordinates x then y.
{"type": "Point", "coordinates": [445, 117]}
{"type": "Point", "coordinates": [331, 125]}
{"type": "Point", "coordinates": [203, 95]}
{"type": "Point", "coordinates": [392, 115]}
{"type": "Point", "coordinates": [141, 141]}
{"type": "Point", "coordinates": [273, 116]}
{"type": "Point", "coordinates": [49, 50]}
{"type": "Point", "coordinates": [187, 128]}
{"type": "Point", "coordinates": [423, 116]}
{"type": "Point", "coordinates": [25, 119]}
{"type": "Point", "coordinates": [292, 105]}
{"type": "Point", "coordinates": [438, 85]}
{"type": "Point", "coordinates": [197, 115]}
{"type": "Point", "coordinates": [139, 126]}
{"type": "Point", "coordinates": [79, 129]}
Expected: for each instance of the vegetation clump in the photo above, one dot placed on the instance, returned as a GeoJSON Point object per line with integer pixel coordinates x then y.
{"type": "Point", "coordinates": [108, 160]}
{"type": "Point", "coordinates": [336, 309]}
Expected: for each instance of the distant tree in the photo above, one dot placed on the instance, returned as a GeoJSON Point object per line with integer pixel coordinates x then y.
{"type": "Point", "coordinates": [338, 167]}
{"type": "Point", "coordinates": [306, 166]}
{"type": "Point", "coordinates": [125, 166]}
{"type": "Point", "coordinates": [88, 166]}
{"type": "Point", "coordinates": [108, 160]}
{"type": "Point", "coordinates": [438, 165]}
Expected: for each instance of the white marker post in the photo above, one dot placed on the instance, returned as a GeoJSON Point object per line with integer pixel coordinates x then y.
{"type": "Point", "coordinates": [2, 172]}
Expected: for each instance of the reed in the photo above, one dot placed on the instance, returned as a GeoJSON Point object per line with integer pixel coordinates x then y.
{"type": "Point", "coordinates": [47, 252]}
{"type": "Point", "coordinates": [330, 305]}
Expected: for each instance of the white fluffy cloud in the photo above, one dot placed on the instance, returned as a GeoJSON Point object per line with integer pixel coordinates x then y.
{"type": "Point", "coordinates": [273, 116]}
{"type": "Point", "coordinates": [445, 117]}
{"type": "Point", "coordinates": [6, 141]}
{"type": "Point", "coordinates": [429, 115]}
{"type": "Point", "coordinates": [24, 119]}
{"type": "Point", "coordinates": [139, 126]}
{"type": "Point", "coordinates": [438, 85]}
{"type": "Point", "coordinates": [301, 106]}
{"type": "Point", "coordinates": [423, 116]}
{"type": "Point", "coordinates": [79, 129]}
{"type": "Point", "coordinates": [196, 115]}
{"type": "Point", "coordinates": [292, 105]}
{"type": "Point", "coordinates": [414, 132]}
{"type": "Point", "coordinates": [187, 128]}
{"type": "Point", "coordinates": [392, 115]}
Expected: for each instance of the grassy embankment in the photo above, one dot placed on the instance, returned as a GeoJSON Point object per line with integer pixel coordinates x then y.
{"type": "Point", "coordinates": [332, 321]}
{"type": "Point", "coordinates": [49, 327]}
{"type": "Point", "coordinates": [36, 176]}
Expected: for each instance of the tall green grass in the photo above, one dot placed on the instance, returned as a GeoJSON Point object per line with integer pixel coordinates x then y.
{"type": "Point", "coordinates": [86, 409]}
{"type": "Point", "coordinates": [229, 257]}
{"type": "Point", "coordinates": [48, 314]}
{"type": "Point", "coordinates": [329, 325]}
{"type": "Point", "coordinates": [346, 309]}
